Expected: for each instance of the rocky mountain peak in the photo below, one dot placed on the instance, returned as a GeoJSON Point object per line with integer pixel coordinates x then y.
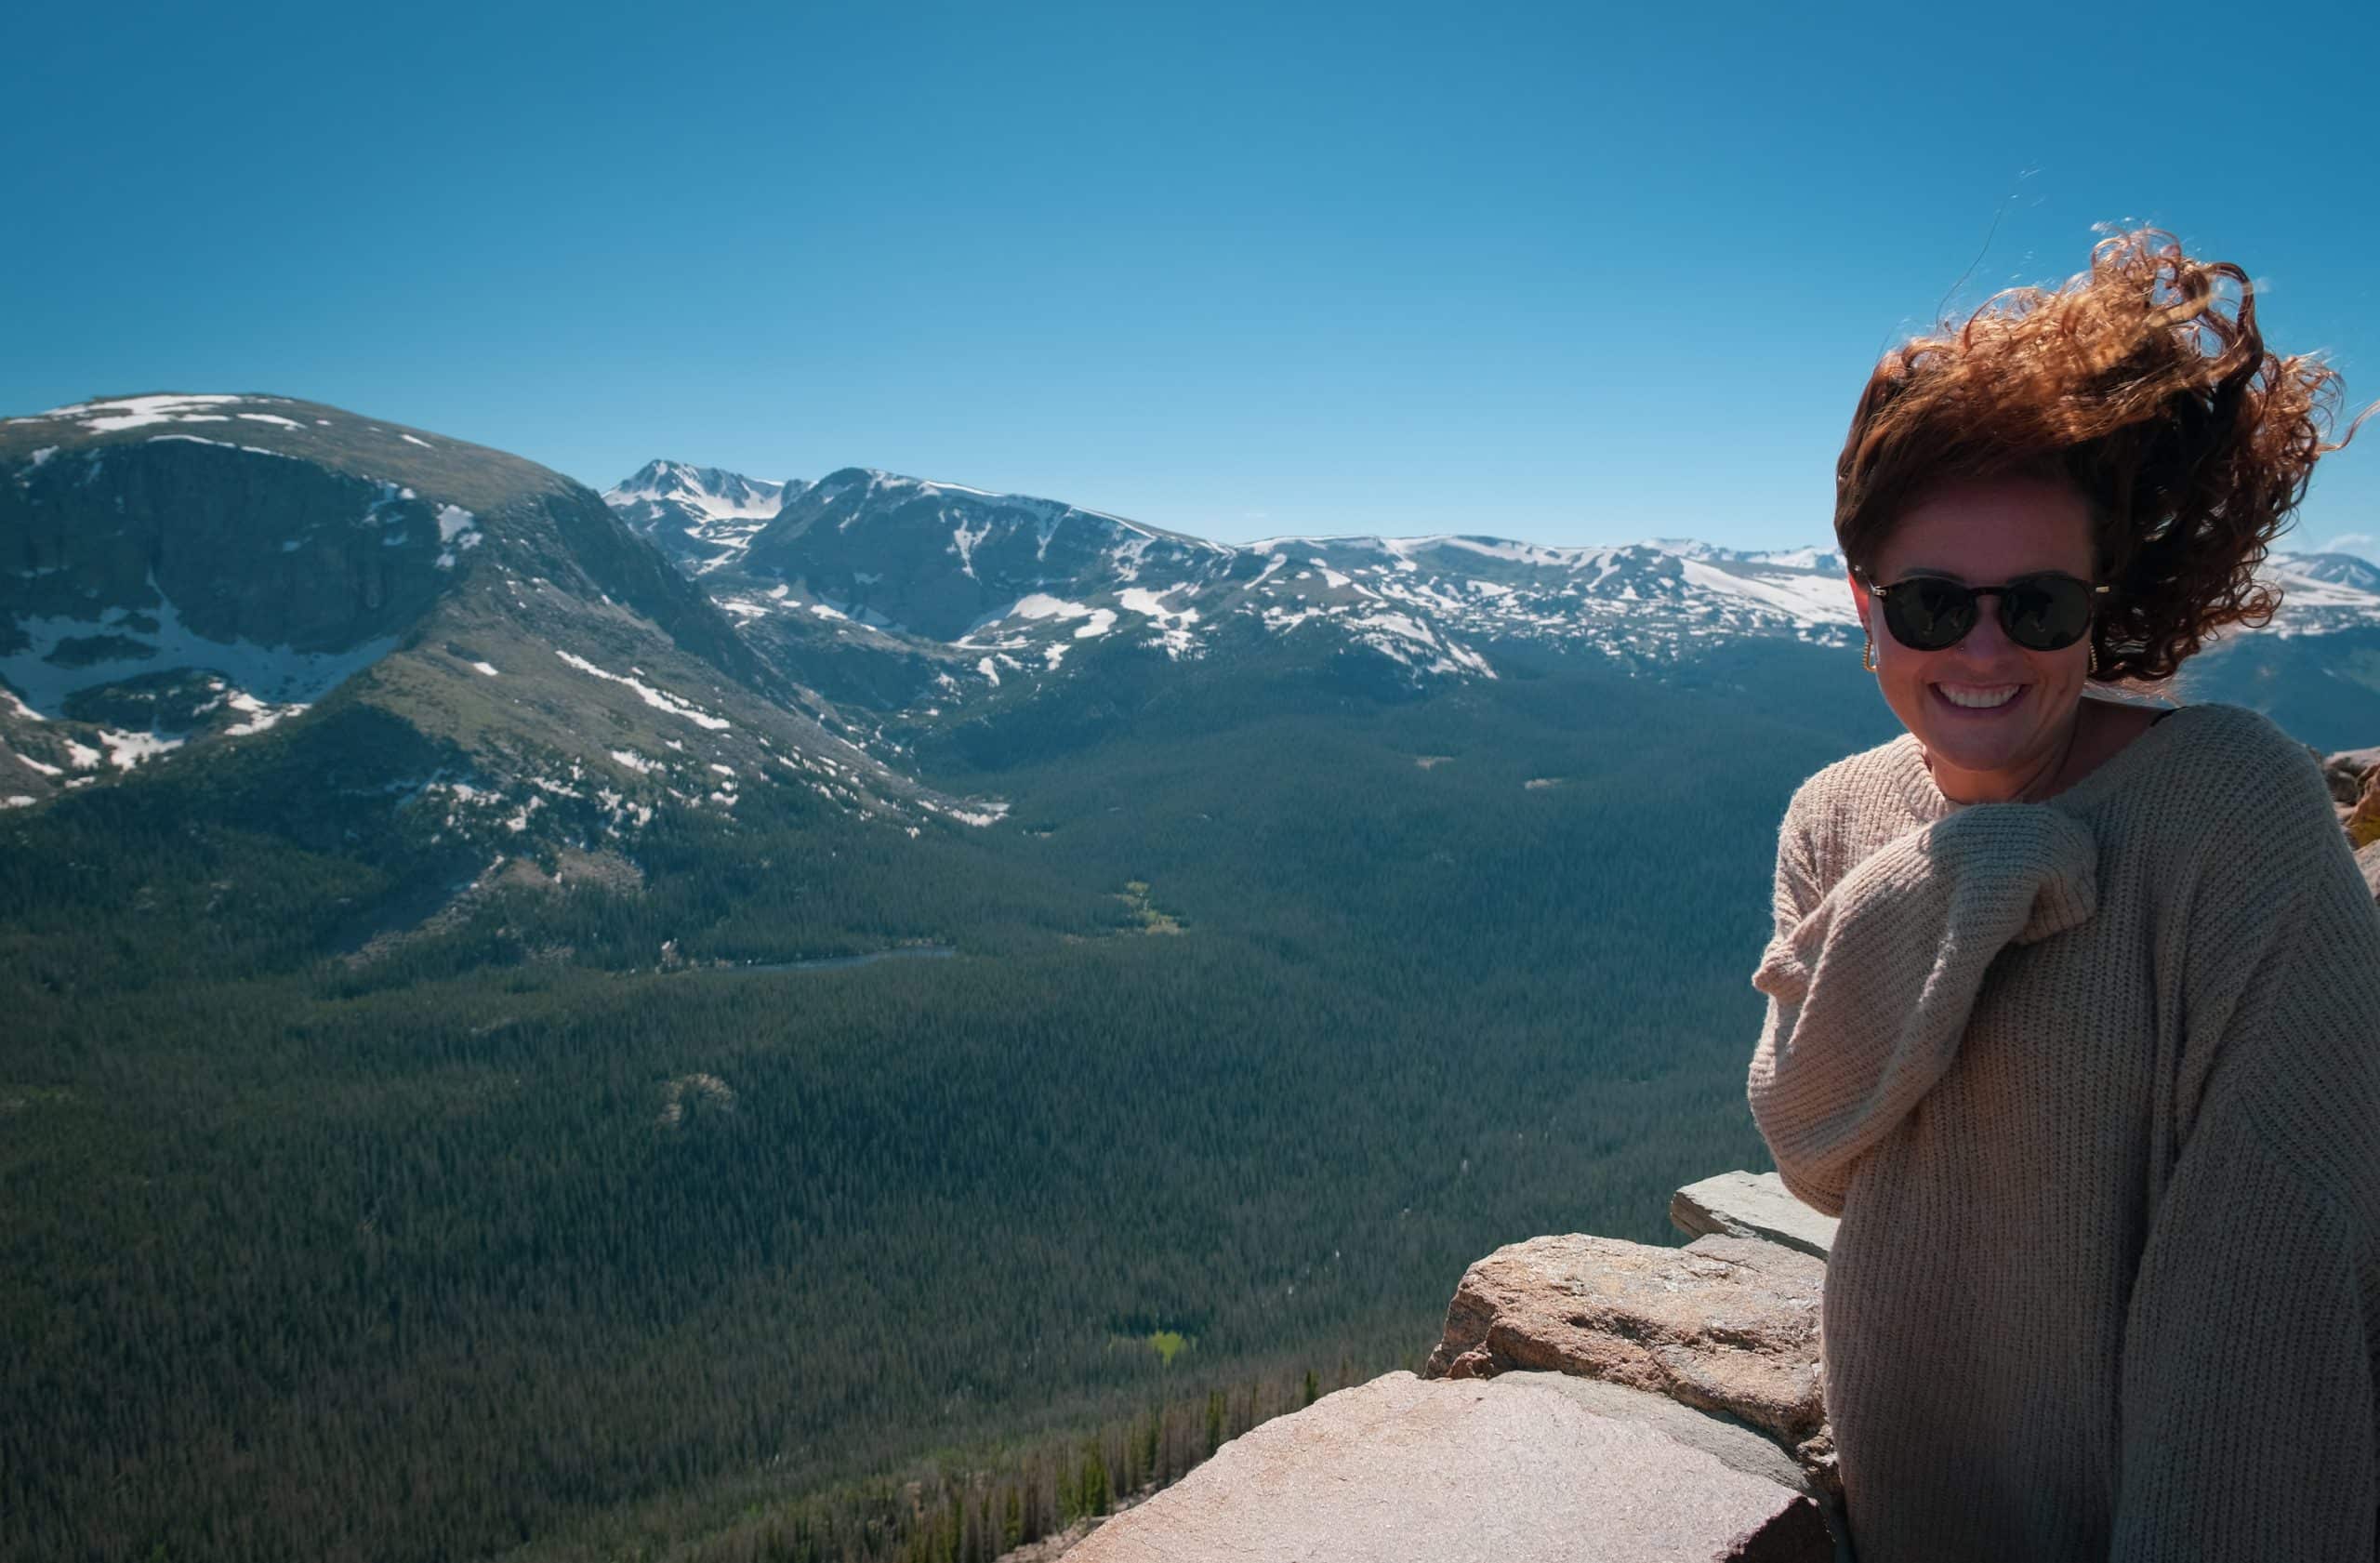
{"type": "Point", "coordinates": [702, 518]}
{"type": "Point", "coordinates": [711, 491]}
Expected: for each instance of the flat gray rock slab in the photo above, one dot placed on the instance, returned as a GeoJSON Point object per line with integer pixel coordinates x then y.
{"type": "Point", "coordinates": [1508, 1470]}
{"type": "Point", "coordinates": [2369, 861]}
{"type": "Point", "coordinates": [1751, 1205]}
{"type": "Point", "coordinates": [1723, 1438]}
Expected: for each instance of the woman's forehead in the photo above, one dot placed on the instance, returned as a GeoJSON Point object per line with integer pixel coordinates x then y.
{"type": "Point", "coordinates": [1992, 530]}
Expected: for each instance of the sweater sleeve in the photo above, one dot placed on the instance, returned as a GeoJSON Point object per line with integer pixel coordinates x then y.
{"type": "Point", "coordinates": [2247, 1388]}
{"type": "Point", "coordinates": [1870, 982]}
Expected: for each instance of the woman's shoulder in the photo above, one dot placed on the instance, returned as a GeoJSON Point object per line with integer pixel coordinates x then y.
{"type": "Point", "coordinates": [1861, 793]}
{"type": "Point", "coordinates": [2220, 757]}
{"type": "Point", "coordinates": [2218, 789]}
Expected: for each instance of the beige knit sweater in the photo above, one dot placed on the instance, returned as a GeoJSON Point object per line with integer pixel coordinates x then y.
{"type": "Point", "coordinates": [2095, 1085]}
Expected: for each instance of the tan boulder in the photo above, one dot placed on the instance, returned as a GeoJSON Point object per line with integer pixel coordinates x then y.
{"type": "Point", "coordinates": [2363, 820]}
{"type": "Point", "coordinates": [1725, 1324]}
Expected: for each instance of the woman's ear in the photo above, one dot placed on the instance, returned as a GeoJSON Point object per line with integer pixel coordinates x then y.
{"type": "Point", "coordinates": [1859, 596]}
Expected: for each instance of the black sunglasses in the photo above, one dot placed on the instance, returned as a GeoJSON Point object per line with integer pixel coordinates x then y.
{"type": "Point", "coordinates": [2045, 612]}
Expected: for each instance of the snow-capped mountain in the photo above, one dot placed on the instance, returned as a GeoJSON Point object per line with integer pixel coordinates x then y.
{"type": "Point", "coordinates": [937, 558]}
{"type": "Point", "coordinates": [702, 517]}
{"type": "Point", "coordinates": [188, 572]}
{"type": "Point", "coordinates": [923, 597]}
{"type": "Point", "coordinates": [973, 588]}
{"type": "Point", "coordinates": [2353, 572]}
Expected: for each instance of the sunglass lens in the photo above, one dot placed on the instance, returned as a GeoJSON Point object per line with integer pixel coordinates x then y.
{"type": "Point", "coordinates": [1931, 613]}
{"type": "Point", "coordinates": [2048, 614]}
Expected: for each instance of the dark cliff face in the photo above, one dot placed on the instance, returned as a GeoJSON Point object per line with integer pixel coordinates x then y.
{"type": "Point", "coordinates": [228, 532]}
{"type": "Point", "coordinates": [229, 545]}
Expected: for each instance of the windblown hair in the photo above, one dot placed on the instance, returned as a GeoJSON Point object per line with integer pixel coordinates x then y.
{"type": "Point", "coordinates": [2189, 441]}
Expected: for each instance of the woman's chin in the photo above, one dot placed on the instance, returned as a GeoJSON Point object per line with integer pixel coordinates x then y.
{"type": "Point", "coordinates": [1972, 740]}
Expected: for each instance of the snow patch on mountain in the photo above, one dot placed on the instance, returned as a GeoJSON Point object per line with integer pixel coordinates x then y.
{"type": "Point", "coordinates": [141, 412]}
{"type": "Point", "coordinates": [1042, 605]}
{"type": "Point", "coordinates": [219, 444]}
{"type": "Point", "coordinates": [659, 699]}
{"type": "Point", "coordinates": [256, 715]}
{"type": "Point", "coordinates": [127, 750]}
{"type": "Point", "coordinates": [1807, 598]}
{"type": "Point", "coordinates": [67, 655]}
{"type": "Point", "coordinates": [457, 528]}
{"type": "Point", "coordinates": [963, 541]}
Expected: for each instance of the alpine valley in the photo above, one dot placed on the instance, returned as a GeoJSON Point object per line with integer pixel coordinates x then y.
{"type": "Point", "coordinates": [563, 1025]}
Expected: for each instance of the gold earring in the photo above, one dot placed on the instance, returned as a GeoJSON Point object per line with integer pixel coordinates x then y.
{"type": "Point", "coordinates": [1868, 651]}
{"type": "Point", "coordinates": [2094, 668]}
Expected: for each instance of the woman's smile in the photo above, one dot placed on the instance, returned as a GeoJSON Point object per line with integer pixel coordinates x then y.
{"type": "Point", "coordinates": [1979, 699]}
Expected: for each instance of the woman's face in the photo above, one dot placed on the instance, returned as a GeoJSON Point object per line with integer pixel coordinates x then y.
{"type": "Point", "coordinates": [1984, 531]}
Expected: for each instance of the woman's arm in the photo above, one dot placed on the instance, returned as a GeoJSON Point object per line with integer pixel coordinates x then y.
{"type": "Point", "coordinates": [2247, 1391]}
{"type": "Point", "coordinates": [2248, 1395]}
{"type": "Point", "coordinates": [1870, 984]}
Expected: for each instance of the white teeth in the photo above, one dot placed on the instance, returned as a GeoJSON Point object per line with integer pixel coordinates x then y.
{"type": "Point", "coordinates": [1982, 699]}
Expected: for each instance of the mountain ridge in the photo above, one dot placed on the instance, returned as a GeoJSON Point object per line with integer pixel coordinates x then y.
{"type": "Point", "coordinates": [192, 569]}
{"type": "Point", "coordinates": [181, 569]}
{"type": "Point", "coordinates": [949, 595]}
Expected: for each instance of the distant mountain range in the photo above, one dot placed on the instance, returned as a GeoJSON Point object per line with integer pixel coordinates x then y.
{"type": "Point", "coordinates": [187, 571]}
{"type": "Point", "coordinates": [974, 592]}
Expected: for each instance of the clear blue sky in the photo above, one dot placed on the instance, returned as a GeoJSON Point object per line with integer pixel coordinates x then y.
{"type": "Point", "coordinates": [1526, 270]}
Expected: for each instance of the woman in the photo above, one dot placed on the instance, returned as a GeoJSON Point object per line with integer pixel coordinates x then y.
{"type": "Point", "coordinates": [2074, 1008]}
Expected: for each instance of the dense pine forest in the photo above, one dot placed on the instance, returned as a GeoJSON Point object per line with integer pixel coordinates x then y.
{"type": "Point", "coordinates": [580, 1219]}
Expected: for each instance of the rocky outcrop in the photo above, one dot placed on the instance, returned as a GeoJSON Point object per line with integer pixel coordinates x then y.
{"type": "Point", "coordinates": [2363, 817]}
{"type": "Point", "coordinates": [1727, 1325]}
{"type": "Point", "coordinates": [1587, 1399]}
{"type": "Point", "coordinates": [2354, 778]}
{"type": "Point", "coordinates": [2347, 771]}
{"type": "Point", "coordinates": [1525, 1468]}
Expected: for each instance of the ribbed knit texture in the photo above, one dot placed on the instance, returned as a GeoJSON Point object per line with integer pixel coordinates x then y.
{"type": "Point", "coordinates": [2095, 1085]}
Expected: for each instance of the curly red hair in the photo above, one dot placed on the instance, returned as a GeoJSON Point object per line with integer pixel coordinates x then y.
{"type": "Point", "coordinates": [2190, 441]}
